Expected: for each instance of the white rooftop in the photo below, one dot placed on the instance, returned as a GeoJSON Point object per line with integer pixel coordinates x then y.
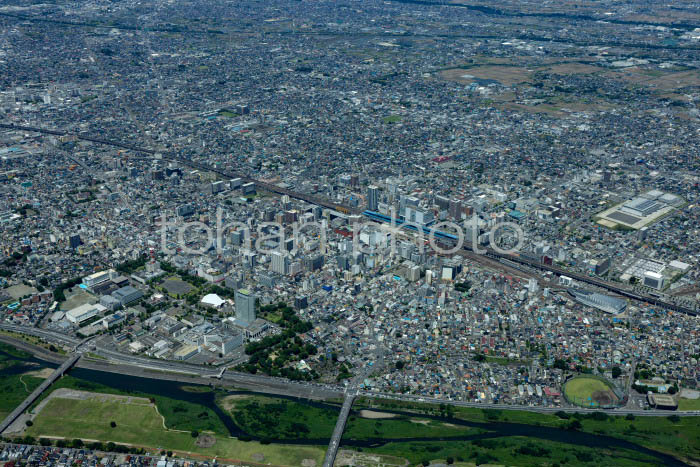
{"type": "Point", "coordinates": [212, 300]}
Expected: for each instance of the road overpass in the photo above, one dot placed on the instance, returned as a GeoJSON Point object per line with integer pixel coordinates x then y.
{"type": "Point", "coordinates": [65, 366]}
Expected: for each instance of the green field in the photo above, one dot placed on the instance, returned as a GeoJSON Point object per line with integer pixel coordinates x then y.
{"type": "Point", "coordinates": [392, 119]}
{"type": "Point", "coordinates": [14, 387]}
{"type": "Point", "coordinates": [512, 451]}
{"type": "Point", "coordinates": [269, 417]}
{"type": "Point", "coordinates": [138, 423]}
{"type": "Point", "coordinates": [688, 404]}
{"type": "Point", "coordinates": [588, 392]}
{"type": "Point", "coordinates": [179, 414]}
{"type": "Point", "coordinates": [678, 438]}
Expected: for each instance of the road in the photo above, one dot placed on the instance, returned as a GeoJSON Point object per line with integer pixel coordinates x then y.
{"type": "Point", "coordinates": [338, 430]}
{"type": "Point", "coordinates": [26, 403]}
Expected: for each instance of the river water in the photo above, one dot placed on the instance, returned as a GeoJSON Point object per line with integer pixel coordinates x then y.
{"type": "Point", "coordinates": [174, 390]}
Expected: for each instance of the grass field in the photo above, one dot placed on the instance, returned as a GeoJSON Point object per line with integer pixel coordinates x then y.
{"type": "Point", "coordinates": [139, 424]}
{"type": "Point", "coordinates": [269, 417]}
{"type": "Point", "coordinates": [511, 451]}
{"type": "Point", "coordinates": [588, 392]}
{"type": "Point", "coordinates": [688, 404]}
{"type": "Point", "coordinates": [678, 438]}
{"type": "Point", "coordinates": [178, 414]}
{"type": "Point", "coordinates": [14, 389]}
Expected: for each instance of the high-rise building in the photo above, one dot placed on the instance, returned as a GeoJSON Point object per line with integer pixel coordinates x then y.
{"type": "Point", "coordinates": [75, 241]}
{"type": "Point", "coordinates": [456, 209]}
{"type": "Point", "coordinates": [372, 197]}
{"type": "Point", "coordinates": [245, 306]}
{"type": "Point", "coordinates": [279, 262]}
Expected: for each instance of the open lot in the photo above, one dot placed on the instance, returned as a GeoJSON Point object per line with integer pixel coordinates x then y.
{"type": "Point", "coordinates": [139, 423]}
{"type": "Point", "coordinates": [19, 290]}
{"type": "Point", "coordinates": [80, 297]}
{"type": "Point", "coordinates": [175, 286]}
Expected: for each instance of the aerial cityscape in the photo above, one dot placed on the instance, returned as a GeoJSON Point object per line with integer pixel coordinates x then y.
{"type": "Point", "coordinates": [352, 233]}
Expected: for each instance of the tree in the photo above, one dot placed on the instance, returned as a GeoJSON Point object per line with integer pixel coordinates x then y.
{"type": "Point", "coordinates": [630, 417]}
{"type": "Point", "coordinates": [560, 364]}
{"type": "Point", "coordinates": [399, 365]}
{"type": "Point", "coordinates": [575, 425]}
{"type": "Point", "coordinates": [113, 424]}
{"type": "Point", "coordinates": [616, 372]}
{"type": "Point", "coordinates": [29, 423]}
{"type": "Point", "coordinates": [195, 433]}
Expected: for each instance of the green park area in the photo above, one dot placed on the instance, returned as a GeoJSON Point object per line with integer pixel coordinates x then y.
{"type": "Point", "coordinates": [688, 404]}
{"type": "Point", "coordinates": [138, 423]}
{"type": "Point", "coordinates": [15, 385]}
{"type": "Point", "coordinates": [274, 418]}
{"type": "Point", "coordinates": [671, 434]}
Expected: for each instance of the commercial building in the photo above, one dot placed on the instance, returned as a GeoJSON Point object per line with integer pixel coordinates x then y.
{"type": "Point", "coordinates": [654, 280]}
{"type": "Point", "coordinates": [84, 312]}
{"type": "Point", "coordinates": [245, 306]}
{"type": "Point", "coordinates": [186, 352]}
{"type": "Point", "coordinates": [127, 295]}
{"type": "Point", "coordinates": [372, 197]}
{"type": "Point", "coordinates": [98, 278]}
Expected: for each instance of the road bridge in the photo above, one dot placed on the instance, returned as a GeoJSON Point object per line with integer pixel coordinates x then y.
{"type": "Point", "coordinates": [65, 366]}
{"type": "Point", "coordinates": [338, 431]}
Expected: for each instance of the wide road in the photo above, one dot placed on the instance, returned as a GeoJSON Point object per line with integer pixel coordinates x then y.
{"type": "Point", "coordinates": [26, 403]}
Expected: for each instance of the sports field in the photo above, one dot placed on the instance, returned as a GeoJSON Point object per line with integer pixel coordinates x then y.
{"type": "Point", "coordinates": [589, 392]}
{"type": "Point", "coordinates": [138, 423]}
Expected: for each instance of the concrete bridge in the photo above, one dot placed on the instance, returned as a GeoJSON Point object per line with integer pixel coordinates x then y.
{"type": "Point", "coordinates": [338, 431]}
{"type": "Point", "coordinates": [65, 366]}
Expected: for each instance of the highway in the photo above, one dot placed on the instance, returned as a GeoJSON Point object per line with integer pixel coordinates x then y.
{"type": "Point", "coordinates": [26, 403]}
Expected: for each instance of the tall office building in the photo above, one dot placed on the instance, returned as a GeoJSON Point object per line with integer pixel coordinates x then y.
{"type": "Point", "coordinates": [75, 241]}
{"type": "Point", "coordinates": [372, 197]}
{"type": "Point", "coordinates": [279, 262]}
{"type": "Point", "coordinates": [245, 306]}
